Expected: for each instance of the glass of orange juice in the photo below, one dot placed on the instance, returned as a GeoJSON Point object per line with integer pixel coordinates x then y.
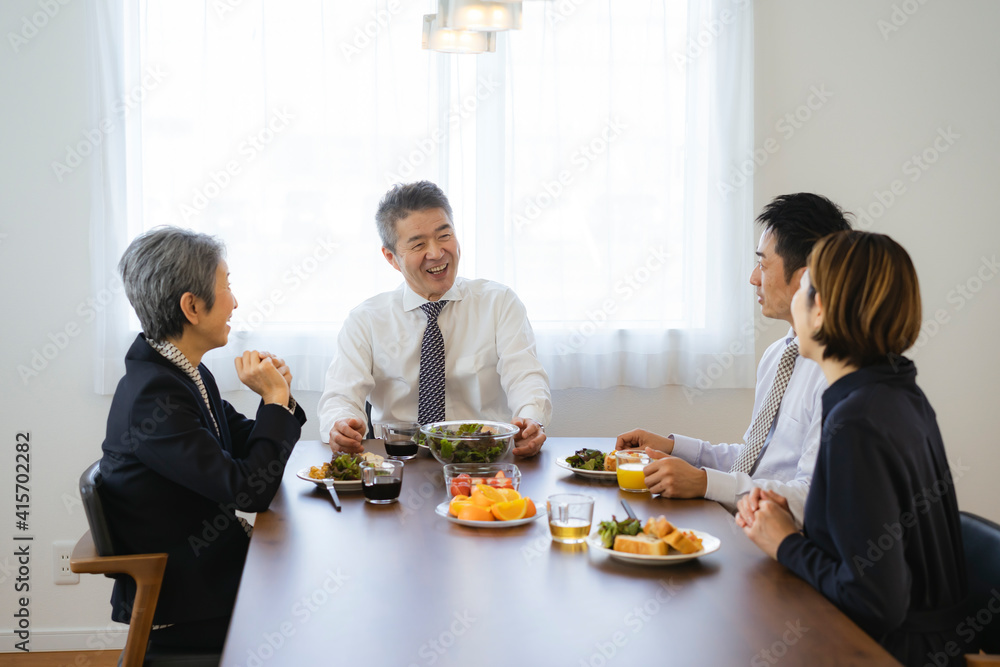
{"type": "Point", "coordinates": [629, 465]}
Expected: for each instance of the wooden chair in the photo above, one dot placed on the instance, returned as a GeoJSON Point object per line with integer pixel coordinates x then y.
{"type": "Point", "coordinates": [981, 539]}
{"type": "Point", "coordinates": [94, 553]}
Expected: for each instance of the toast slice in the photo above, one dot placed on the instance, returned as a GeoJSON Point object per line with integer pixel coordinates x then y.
{"type": "Point", "coordinates": [678, 540]}
{"type": "Point", "coordinates": [610, 462]}
{"type": "Point", "coordinates": [658, 527]}
{"type": "Point", "coordinates": [695, 540]}
{"type": "Point", "coordinates": [640, 544]}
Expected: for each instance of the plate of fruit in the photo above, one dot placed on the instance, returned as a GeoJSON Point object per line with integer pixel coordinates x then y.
{"type": "Point", "coordinates": [490, 507]}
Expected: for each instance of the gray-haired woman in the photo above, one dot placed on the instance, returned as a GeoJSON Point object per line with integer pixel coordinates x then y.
{"type": "Point", "coordinates": [178, 460]}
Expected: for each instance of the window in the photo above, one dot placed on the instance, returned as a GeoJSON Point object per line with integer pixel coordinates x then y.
{"type": "Point", "coordinates": [583, 161]}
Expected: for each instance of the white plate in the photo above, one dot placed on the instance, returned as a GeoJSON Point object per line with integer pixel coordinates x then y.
{"type": "Point", "coordinates": [442, 510]}
{"type": "Point", "coordinates": [340, 485]}
{"type": "Point", "coordinates": [606, 475]}
{"type": "Point", "coordinates": [709, 544]}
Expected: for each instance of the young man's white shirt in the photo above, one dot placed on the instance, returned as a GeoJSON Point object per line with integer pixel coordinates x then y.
{"type": "Point", "coordinates": [786, 463]}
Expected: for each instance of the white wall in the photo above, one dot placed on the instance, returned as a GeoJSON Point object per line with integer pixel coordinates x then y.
{"type": "Point", "coordinates": [892, 91]}
{"type": "Point", "coordinates": [889, 98]}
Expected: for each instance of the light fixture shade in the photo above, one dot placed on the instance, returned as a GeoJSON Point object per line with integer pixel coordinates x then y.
{"type": "Point", "coordinates": [480, 16]}
{"type": "Point", "coordinates": [449, 40]}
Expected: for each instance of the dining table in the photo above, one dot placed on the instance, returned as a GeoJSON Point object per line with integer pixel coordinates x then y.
{"type": "Point", "coordinates": [400, 585]}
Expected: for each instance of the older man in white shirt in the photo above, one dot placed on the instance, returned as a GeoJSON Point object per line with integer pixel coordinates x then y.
{"type": "Point", "coordinates": [780, 445]}
{"type": "Point", "coordinates": [439, 346]}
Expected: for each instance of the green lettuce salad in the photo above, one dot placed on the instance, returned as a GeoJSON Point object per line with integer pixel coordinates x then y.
{"type": "Point", "coordinates": [609, 529]}
{"type": "Point", "coordinates": [587, 459]}
{"type": "Point", "coordinates": [344, 467]}
{"type": "Point", "coordinates": [471, 443]}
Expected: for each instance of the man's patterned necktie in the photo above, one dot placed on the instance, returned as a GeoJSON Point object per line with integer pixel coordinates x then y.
{"type": "Point", "coordinates": [430, 387]}
{"type": "Point", "coordinates": [762, 424]}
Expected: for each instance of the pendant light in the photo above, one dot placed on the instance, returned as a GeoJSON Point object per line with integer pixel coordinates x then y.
{"type": "Point", "coordinates": [437, 37]}
{"type": "Point", "coordinates": [479, 15]}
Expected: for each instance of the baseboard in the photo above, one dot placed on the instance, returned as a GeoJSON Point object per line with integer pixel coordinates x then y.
{"type": "Point", "coordinates": [81, 639]}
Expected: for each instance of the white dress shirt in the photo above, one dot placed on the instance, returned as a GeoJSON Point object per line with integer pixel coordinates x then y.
{"type": "Point", "coordinates": [491, 370]}
{"type": "Point", "coordinates": [786, 463]}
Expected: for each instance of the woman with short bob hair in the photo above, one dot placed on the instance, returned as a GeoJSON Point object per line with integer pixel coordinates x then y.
{"type": "Point", "coordinates": [178, 460]}
{"type": "Point", "coordinates": [881, 536]}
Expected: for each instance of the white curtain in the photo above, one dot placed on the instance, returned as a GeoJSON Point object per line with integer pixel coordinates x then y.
{"type": "Point", "coordinates": [276, 127]}
{"type": "Point", "coordinates": [107, 147]}
{"type": "Point", "coordinates": [623, 119]}
{"type": "Point", "coordinates": [583, 162]}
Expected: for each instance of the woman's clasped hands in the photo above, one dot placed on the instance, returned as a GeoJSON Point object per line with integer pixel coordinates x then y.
{"type": "Point", "coordinates": [266, 375]}
{"type": "Point", "coordinates": [765, 518]}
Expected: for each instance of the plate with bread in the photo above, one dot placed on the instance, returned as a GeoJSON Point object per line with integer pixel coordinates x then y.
{"type": "Point", "coordinates": [659, 542]}
{"type": "Point", "coordinates": [590, 463]}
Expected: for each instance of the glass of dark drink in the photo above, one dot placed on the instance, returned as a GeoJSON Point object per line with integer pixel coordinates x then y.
{"type": "Point", "coordinates": [399, 438]}
{"type": "Point", "coordinates": [382, 482]}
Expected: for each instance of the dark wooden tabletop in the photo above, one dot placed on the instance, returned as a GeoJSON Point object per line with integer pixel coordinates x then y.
{"type": "Point", "coordinates": [398, 585]}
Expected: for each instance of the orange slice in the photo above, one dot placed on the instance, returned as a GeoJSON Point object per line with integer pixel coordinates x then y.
{"type": "Point", "coordinates": [529, 510]}
{"type": "Point", "coordinates": [509, 494]}
{"type": "Point", "coordinates": [457, 503]}
{"type": "Point", "coordinates": [491, 494]}
{"type": "Point", "coordinates": [474, 513]}
{"type": "Point", "coordinates": [479, 499]}
{"type": "Point", "coordinates": [509, 510]}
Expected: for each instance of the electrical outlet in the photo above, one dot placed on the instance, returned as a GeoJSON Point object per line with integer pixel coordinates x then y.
{"type": "Point", "coordinates": [61, 552]}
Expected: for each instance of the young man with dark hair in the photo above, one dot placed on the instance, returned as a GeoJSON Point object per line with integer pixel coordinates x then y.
{"type": "Point", "coordinates": [780, 445]}
{"type": "Point", "coordinates": [437, 347]}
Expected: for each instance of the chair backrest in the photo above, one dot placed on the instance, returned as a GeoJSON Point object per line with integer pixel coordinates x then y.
{"type": "Point", "coordinates": [981, 539]}
{"type": "Point", "coordinates": [90, 484]}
